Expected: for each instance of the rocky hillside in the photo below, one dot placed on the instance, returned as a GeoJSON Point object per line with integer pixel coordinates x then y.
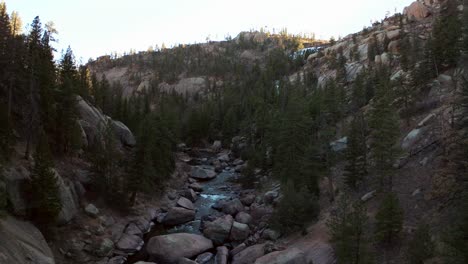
{"type": "Point", "coordinates": [260, 149]}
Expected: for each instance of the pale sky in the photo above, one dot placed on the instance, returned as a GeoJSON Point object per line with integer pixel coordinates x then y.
{"type": "Point", "coordinates": [97, 27]}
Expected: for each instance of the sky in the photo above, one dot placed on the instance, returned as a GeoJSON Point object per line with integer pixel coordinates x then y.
{"type": "Point", "coordinates": [98, 27]}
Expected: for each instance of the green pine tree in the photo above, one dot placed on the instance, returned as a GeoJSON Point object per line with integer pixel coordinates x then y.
{"type": "Point", "coordinates": [347, 228]}
{"type": "Point", "coordinates": [389, 220]}
{"type": "Point", "coordinates": [356, 153]}
{"type": "Point", "coordinates": [384, 124]}
{"type": "Point", "coordinates": [44, 190]}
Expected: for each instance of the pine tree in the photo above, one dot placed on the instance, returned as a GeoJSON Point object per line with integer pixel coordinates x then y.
{"type": "Point", "coordinates": [295, 210]}
{"type": "Point", "coordinates": [347, 228]}
{"type": "Point", "coordinates": [385, 132]}
{"type": "Point", "coordinates": [420, 247]}
{"type": "Point", "coordinates": [356, 153]}
{"type": "Point", "coordinates": [68, 137]}
{"type": "Point", "coordinates": [389, 220]}
{"type": "Point", "coordinates": [372, 49]}
{"type": "Point", "coordinates": [105, 159]}
{"type": "Point", "coordinates": [358, 93]}
{"type": "Point", "coordinates": [44, 190]}
{"type": "Point", "coordinates": [446, 33]}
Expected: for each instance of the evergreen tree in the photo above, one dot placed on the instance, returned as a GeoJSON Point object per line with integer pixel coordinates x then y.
{"type": "Point", "coordinates": [389, 220]}
{"type": "Point", "coordinates": [295, 210]}
{"type": "Point", "coordinates": [356, 153]}
{"type": "Point", "coordinates": [105, 159]}
{"type": "Point", "coordinates": [68, 134]}
{"type": "Point", "coordinates": [44, 190]}
{"type": "Point", "coordinates": [372, 49]}
{"type": "Point", "coordinates": [385, 133]}
{"type": "Point", "coordinates": [405, 52]}
{"type": "Point", "coordinates": [446, 33]}
{"type": "Point", "coordinates": [358, 93]}
{"type": "Point", "coordinates": [420, 247]}
{"type": "Point", "coordinates": [347, 228]}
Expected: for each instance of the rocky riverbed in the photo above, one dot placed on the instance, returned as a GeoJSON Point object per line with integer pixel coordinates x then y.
{"type": "Point", "coordinates": [212, 217]}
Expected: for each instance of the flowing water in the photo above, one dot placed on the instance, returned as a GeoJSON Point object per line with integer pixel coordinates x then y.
{"type": "Point", "coordinates": [219, 188]}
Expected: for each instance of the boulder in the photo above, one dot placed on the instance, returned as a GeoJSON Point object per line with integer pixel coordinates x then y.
{"type": "Point", "coordinates": [185, 203]}
{"type": "Point", "coordinates": [366, 197]}
{"type": "Point", "coordinates": [202, 174]}
{"type": "Point", "coordinates": [196, 187]}
{"type": "Point", "coordinates": [416, 11]}
{"type": "Point", "coordinates": [204, 258]}
{"type": "Point", "coordinates": [172, 247]}
{"type": "Point", "coordinates": [91, 210]}
{"type": "Point", "coordinates": [232, 207]}
{"type": "Point", "coordinates": [394, 47]}
{"type": "Point", "coordinates": [385, 58]}
{"type": "Point", "coordinates": [69, 199]}
{"type": "Point", "coordinates": [222, 254]}
{"type": "Point", "coordinates": [132, 229]}
{"type": "Point", "coordinates": [244, 218]}
{"type": "Point", "coordinates": [411, 138]}
{"type": "Point", "coordinates": [393, 34]}
{"type": "Point", "coordinates": [217, 145]}
{"type": "Point", "coordinates": [259, 211]}
{"type": "Point", "coordinates": [123, 133]}
{"type": "Point", "coordinates": [14, 179]}
{"type": "Point", "coordinates": [270, 234]}
{"type": "Point", "coordinates": [218, 230]}
{"type": "Point", "coordinates": [352, 70]}
{"type": "Point", "coordinates": [239, 231]}
{"type": "Point", "coordinates": [178, 215]}
{"type": "Point", "coordinates": [92, 120]}
{"type": "Point", "coordinates": [186, 261]}
{"type": "Point", "coordinates": [22, 242]}
{"type": "Point", "coordinates": [288, 256]}
{"type": "Point", "coordinates": [129, 243]}
{"type": "Point", "coordinates": [248, 199]}
{"type": "Point", "coordinates": [270, 196]}
{"type": "Point", "coordinates": [117, 260]}
{"type": "Point", "coordinates": [104, 248]}
{"type": "Point", "coordinates": [340, 144]}
{"type": "Point", "coordinates": [249, 255]}
{"type": "Point", "coordinates": [190, 194]}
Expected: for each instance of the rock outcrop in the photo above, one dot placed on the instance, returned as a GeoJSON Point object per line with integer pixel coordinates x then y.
{"type": "Point", "coordinates": [417, 11]}
{"type": "Point", "coordinates": [21, 242]}
{"type": "Point", "coordinates": [92, 121]}
{"type": "Point", "coordinates": [171, 248]}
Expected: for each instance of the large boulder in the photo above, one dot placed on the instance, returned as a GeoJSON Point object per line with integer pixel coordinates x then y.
{"type": "Point", "coordinates": [232, 207]}
{"type": "Point", "coordinates": [14, 179]}
{"type": "Point", "coordinates": [218, 230]}
{"type": "Point", "coordinates": [222, 254]}
{"type": "Point", "coordinates": [249, 255]}
{"type": "Point", "coordinates": [123, 133]}
{"type": "Point", "coordinates": [239, 231]}
{"type": "Point", "coordinates": [289, 256]}
{"type": "Point", "coordinates": [185, 203]}
{"type": "Point", "coordinates": [170, 248]}
{"type": "Point", "coordinates": [178, 215]}
{"type": "Point", "coordinates": [92, 120]}
{"type": "Point", "coordinates": [21, 242]}
{"type": "Point", "coordinates": [129, 243]}
{"type": "Point", "coordinates": [69, 199]}
{"type": "Point", "coordinates": [244, 218]}
{"type": "Point", "coordinates": [416, 11]}
{"type": "Point", "coordinates": [202, 174]}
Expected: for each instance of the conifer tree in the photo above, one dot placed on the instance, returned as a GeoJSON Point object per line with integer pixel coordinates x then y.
{"type": "Point", "coordinates": [347, 228]}
{"type": "Point", "coordinates": [385, 132]}
{"type": "Point", "coordinates": [68, 136]}
{"type": "Point", "coordinates": [44, 189]}
{"type": "Point", "coordinates": [297, 207]}
{"type": "Point", "coordinates": [389, 220]}
{"type": "Point", "coordinates": [356, 153]}
{"type": "Point", "coordinates": [446, 33]}
{"type": "Point", "coordinates": [105, 159]}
